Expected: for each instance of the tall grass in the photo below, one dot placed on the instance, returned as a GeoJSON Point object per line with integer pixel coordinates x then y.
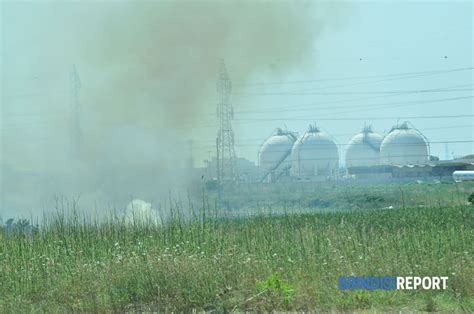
{"type": "Point", "coordinates": [350, 196]}
{"type": "Point", "coordinates": [265, 262]}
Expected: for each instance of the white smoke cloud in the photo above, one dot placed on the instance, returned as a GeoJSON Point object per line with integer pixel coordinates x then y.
{"type": "Point", "coordinates": [140, 212]}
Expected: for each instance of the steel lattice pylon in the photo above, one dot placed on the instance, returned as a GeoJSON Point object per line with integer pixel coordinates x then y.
{"type": "Point", "coordinates": [76, 132]}
{"type": "Point", "coordinates": [226, 160]}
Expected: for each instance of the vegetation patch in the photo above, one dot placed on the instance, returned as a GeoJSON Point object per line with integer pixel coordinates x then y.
{"type": "Point", "coordinates": [283, 262]}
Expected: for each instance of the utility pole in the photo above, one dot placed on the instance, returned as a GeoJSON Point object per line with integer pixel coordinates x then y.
{"type": "Point", "coordinates": [75, 126]}
{"type": "Point", "coordinates": [226, 160]}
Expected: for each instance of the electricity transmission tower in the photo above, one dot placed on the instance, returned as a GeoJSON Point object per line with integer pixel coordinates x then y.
{"type": "Point", "coordinates": [226, 160]}
{"type": "Point", "coordinates": [75, 126]}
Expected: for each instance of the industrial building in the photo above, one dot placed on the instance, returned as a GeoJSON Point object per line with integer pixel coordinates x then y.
{"type": "Point", "coordinates": [248, 171]}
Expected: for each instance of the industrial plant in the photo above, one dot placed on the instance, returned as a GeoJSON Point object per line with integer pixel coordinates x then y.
{"type": "Point", "coordinates": [315, 156]}
{"type": "Point", "coordinates": [403, 153]}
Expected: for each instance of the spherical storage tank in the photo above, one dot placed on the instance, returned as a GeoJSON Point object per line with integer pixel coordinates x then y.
{"type": "Point", "coordinates": [363, 149]}
{"type": "Point", "coordinates": [275, 151]}
{"type": "Point", "coordinates": [404, 146]}
{"type": "Point", "coordinates": [315, 154]}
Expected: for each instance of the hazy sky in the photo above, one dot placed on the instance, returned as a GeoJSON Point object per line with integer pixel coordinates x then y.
{"type": "Point", "coordinates": [381, 39]}
{"type": "Point", "coordinates": [148, 71]}
{"type": "Point", "coordinates": [41, 41]}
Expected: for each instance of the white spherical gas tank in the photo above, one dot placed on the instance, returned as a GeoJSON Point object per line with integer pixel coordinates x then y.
{"type": "Point", "coordinates": [275, 151]}
{"type": "Point", "coordinates": [315, 154]}
{"type": "Point", "coordinates": [404, 146]}
{"type": "Point", "coordinates": [363, 149]}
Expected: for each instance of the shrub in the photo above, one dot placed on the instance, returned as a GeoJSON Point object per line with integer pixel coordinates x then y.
{"type": "Point", "coordinates": [279, 292]}
{"type": "Point", "coordinates": [470, 198]}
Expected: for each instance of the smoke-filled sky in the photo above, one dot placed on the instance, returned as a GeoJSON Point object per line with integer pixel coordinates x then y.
{"type": "Point", "coordinates": [147, 71]}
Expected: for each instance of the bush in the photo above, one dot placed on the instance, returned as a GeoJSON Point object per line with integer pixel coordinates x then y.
{"type": "Point", "coordinates": [316, 202]}
{"type": "Point", "coordinates": [470, 198]}
{"type": "Point", "coordinates": [279, 292]}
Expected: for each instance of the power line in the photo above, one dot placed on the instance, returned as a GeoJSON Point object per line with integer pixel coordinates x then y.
{"type": "Point", "coordinates": [360, 158]}
{"type": "Point", "coordinates": [409, 74]}
{"type": "Point", "coordinates": [356, 84]}
{"type": "Point", "coordinates": [258, 120]}
{"type": "Point", "coordinates": [359, 84]}
{"type": "Point", "coordinates": [358, 93]}
{"type": "Point", "coordinates": [351, 134]}
{"type": "Point", "coordinates": [13, 115]}
{"type": "Point", "coordinates": [392, 106]}
{"type": "Point", "coordinates": [330, 145]}
{"type": "Point", "coordinates": [381, 105]}
{"type": "Point", "coordinates": [356, 119]}
{"type": "Point", "coordinates": [311, 105]}
{"type": "Point", "coordinates": [46, 92]}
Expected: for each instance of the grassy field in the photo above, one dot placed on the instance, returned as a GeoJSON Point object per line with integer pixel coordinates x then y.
{"type": "Point", "coordinates": [289, 261]}
{"type": "Point", "coordinates": [295, 196]}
